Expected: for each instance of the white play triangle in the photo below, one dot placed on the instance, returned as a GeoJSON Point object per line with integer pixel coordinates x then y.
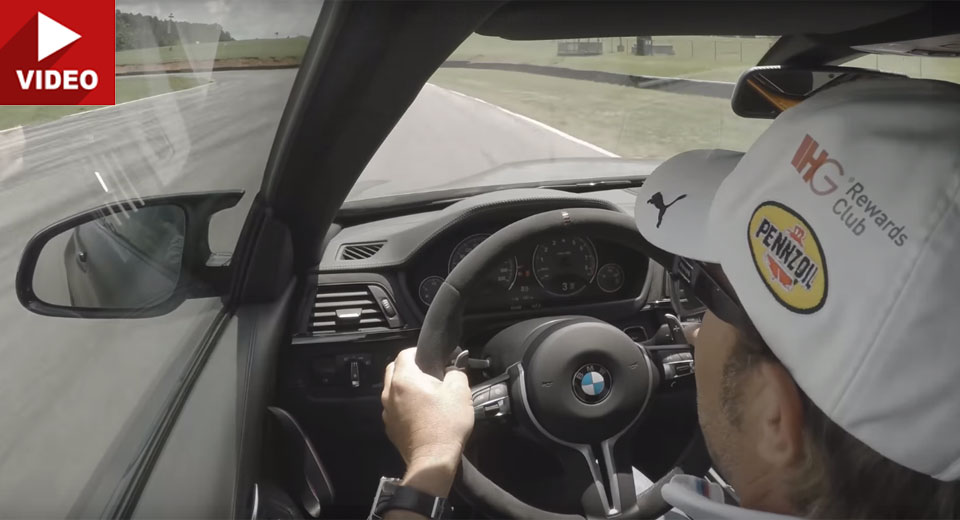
{"type": "Point", "coordinates": [52, 36]}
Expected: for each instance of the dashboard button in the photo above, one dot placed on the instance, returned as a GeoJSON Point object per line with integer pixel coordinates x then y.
{"type": "Point", "coordinates": [387, 307]}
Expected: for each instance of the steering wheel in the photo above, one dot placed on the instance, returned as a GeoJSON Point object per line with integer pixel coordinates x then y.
{"type": "Point", "coordinates": [577, 385]}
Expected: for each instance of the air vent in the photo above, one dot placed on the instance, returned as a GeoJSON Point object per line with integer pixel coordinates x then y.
{"type": "Point", "coordinates": [352, 308]}
{"type": "Point", "coordinates": [360, 251]}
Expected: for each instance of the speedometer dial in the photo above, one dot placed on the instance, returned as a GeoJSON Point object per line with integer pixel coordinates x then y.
{"type": "Point", "coordinates": [506, 272]}
{"type": "Point", "coordinates": [564, 266]}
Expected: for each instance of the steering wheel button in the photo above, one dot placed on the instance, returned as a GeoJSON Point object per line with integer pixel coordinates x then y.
{"type": "Point", "coordinates": [498, 390]}
{"type": "Point", "coordinates": [481, 397]}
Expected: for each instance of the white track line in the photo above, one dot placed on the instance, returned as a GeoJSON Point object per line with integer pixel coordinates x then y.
{"type": "Point", "coordinates": [102, 184]}
{"type": "Point", "coordinates": [534, 122]}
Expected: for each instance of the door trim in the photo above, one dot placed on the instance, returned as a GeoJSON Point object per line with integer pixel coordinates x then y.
{"type": "Point", "coordinates": [125, 500]}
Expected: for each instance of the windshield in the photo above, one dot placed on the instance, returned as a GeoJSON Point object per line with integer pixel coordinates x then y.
{"type": "Point", "coordinates": [502, 112]}
{"type": "Point", "coordinates": [497, 102]}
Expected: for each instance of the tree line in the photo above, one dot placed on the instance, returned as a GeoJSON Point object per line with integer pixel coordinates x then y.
{"type": "Point", "coordinates": [138, 31]}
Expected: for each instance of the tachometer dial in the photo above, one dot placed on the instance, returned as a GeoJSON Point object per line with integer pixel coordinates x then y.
{"type": "Point", "coordinates": [505, 274]}
{"type": "Point", "coordinates": [564, 266]}
{"type": "Point", "coordinates": [610, 278]}
{"type": "Point", "coordinates": [428, 289]}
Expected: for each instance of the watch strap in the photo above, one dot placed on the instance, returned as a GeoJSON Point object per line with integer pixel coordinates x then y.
{"type": "Point", "coordinates": [410, 499]}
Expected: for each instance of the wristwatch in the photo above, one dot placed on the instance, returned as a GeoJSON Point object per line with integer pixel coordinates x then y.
{"type": "Point", "coordinates": [391, 495]}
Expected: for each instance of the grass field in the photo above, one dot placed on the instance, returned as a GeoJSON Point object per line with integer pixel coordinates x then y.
{"type": "Point", "coordinates": [714, 58]}
{"type": "Point", "coordinates": [628, 121]}
{"type": "Point", "coordinates": [251, 49]}
{"type": "Point", "coordinates": [128, 89]}
{"type": "Point", "coordinates": [700, 57]}
{"type": "Point", "coordinates": [697, 57]}
{"type": "Point", "coordinates": [636, 122]}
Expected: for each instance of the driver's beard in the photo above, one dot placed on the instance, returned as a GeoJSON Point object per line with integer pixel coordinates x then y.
{"type": "Point", "coordinates": [722, 438]}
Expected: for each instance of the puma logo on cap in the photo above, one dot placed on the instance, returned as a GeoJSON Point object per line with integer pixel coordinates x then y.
{"type": "Point", "coordinates": [657, 201]}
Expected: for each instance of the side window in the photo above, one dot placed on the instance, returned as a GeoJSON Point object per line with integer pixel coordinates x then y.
{"type": "Point", "coordinates": [200, 90]}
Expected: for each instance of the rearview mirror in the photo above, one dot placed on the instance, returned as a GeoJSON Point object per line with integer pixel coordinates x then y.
{"type": "Point", "coordinates": [765, 92]}
{"type": "Point", "coordinates": [129, 259]}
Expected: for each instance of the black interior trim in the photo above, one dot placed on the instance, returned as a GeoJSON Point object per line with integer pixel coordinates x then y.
{"type": "Point", "coordinates": [927, 20]}
{"type": "Point", "coordinates": [260, 335]}
{"type": "Point", "coordinates": [371, 210]}
{"type": "Point", "coordinates": [306, 478]}
{"type": "Point", "coordinates": [539, 20]}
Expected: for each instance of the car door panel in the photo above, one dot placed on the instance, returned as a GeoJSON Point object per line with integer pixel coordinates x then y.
{"type": "Point", "coordinates": [194, 474]}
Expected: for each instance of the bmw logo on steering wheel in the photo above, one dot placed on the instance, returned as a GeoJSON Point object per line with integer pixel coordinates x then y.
{"type": "Point", "coordinates": [591, 384]}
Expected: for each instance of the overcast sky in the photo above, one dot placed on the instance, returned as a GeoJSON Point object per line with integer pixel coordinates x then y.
{"type": "Point", "coordinates": [243, 18]}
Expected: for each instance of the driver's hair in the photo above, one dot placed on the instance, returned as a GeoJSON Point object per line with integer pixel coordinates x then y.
{"type": "Point", "coordinates": [839, 476]}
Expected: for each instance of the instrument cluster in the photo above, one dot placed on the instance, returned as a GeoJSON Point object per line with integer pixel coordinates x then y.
{"type": "Point", "coordinates": [553, 270]}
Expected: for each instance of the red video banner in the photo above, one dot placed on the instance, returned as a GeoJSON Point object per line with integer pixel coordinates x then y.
{"type": "Point", "coordinates": [57, 52]}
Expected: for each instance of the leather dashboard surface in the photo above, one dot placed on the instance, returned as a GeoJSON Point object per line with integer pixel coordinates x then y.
{"type": "Point", "coordinates": [404, 236]}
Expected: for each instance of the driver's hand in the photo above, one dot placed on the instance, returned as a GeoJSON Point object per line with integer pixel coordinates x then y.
{"type": "Point", "coordinates": [428, 420]}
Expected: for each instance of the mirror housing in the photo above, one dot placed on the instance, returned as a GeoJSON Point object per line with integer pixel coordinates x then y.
{"type": "Point", "coordinates": [764, 92]}
{"type": "Point", "coordinates": [201, 273]}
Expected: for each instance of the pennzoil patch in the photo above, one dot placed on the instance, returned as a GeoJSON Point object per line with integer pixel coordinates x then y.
{"type": "Point", "coordinates": [788, 257]}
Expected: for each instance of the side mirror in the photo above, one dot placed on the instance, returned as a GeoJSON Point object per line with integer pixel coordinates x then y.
{"type": "Point", "coordinates": [128, 259]}
{"type": "Point", "coordinates": [765, 92]}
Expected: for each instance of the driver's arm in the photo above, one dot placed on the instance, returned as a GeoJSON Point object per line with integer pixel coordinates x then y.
{"type": "Point", "coordinates": [428, 421]}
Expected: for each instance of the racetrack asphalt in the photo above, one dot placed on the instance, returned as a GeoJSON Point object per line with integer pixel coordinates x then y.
{"type": "Point", "coordinates": [68, 385]}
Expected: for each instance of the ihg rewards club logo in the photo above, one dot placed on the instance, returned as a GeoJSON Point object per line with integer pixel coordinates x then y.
{"type": "Point", "coordinates": [855, 208]}
{"type": "Point", "coordinates": [57, 53]}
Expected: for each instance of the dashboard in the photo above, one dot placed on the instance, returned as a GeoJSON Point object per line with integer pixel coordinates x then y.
{"type": "Point", "coordinates": [410, 255]}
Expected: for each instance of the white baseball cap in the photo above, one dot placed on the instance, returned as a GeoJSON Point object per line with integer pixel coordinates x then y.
{"type": "Point", "coordinates": [840, 232]}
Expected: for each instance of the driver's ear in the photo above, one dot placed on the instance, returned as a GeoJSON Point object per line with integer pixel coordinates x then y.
{"type": "Point", "coordinates": [778, 415]}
